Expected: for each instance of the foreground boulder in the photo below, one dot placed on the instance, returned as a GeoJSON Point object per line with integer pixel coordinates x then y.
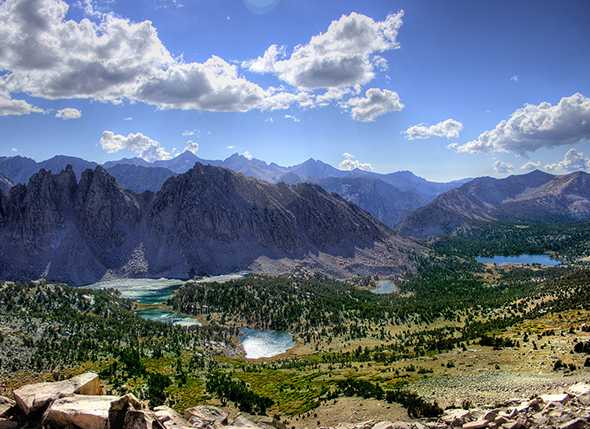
{"type": "Point", "coordinates": [139, 419]}
{"type": "Point", "coordinates": [80, 411]}
{"type": "Point", "coordinates": [7, 407]}
{"type": "Point", "coordinates": [170, 419]}
{"type": "Point", "coordinates": [35, 398]}
{"type": "Point", "coordinates": [205, 415]}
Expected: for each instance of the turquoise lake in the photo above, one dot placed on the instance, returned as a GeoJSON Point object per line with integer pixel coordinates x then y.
{"type": "Point", "coordinates": [256, 343]}
{"type": "Point", "coordinates": [524, 259]}
{"type": "Point", "coordinates": [150, 291]}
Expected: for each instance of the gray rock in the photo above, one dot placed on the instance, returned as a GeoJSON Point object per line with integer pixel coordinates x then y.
{"type": "Point", "coordinates": [455, 416]}
{"type": "Point", "coordinates": [7, 407]}
{"type": "Point", "coordinates": [34, 398]}
{"type": "Point", "coordinates": [80, 411]}
{"type": "Point", "coordinates": [138, 419]}
{"type": "Point", "coordinates": [206, 414]}
{"type": "Point", "coordinates": [577, 423]}
{"type": "Point", "coordinates": [170, 419]}
{"type": "Point", "coordinates": [8, 424]}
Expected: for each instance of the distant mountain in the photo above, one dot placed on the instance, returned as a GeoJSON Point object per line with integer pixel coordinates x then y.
{"type": "Point", "coordinates": [128, 161]}
{"type": "Point", "coordinates": [254, 168]}
{"type": "Point", "coordinates": [409, 182]}
{"type": "Point", "coordinates": [207, 220]}
{"type": "Point", "coordinates": [20, 169]}
{"type": "Point", "coordinates": [5, 184]}
{"type": "Point", "coordinates": [17, 168]}
{"type": "Point", "coordinates": [384, 201]}
{"type": "Point", "coordinates": [137, 178]}
{"type": "Point", "coordinates": [183, 162]}
{"type": "Point", "coordinates": [532, 197]}
{"type": "Point", "coordinates": [60, 162]}
{"type": "Point", "coordinates": [390, 204]}
{"type": "Point", "coordinates": [313, 170]}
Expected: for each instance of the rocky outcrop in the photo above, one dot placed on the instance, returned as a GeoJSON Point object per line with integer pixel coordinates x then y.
{"type": "Point", "coordinates": [80, 411]}
{"type": "Point", "coordinates": [563, 410]}
{"type": "Point", "coordinates": [208, 220]}
{"type": "Point", "coordinates": [66, 409]}
{"type": "Point", "coordinates": [35, 398]}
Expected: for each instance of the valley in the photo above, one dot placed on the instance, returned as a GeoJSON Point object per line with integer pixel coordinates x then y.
{"type": "Point", "coordinates": [410, 329]}
{"type": "Point", "coordinates": [456, 331]}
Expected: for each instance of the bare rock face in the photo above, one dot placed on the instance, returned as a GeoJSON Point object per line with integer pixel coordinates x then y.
{"type": "Point", "coordinates": [80, 411]}
{"type": "Point", "coordinates": [208, 220]}
{"type": "Point", "coordinates": [34, 398]}
{"type": "Point", "coordinates": [5, 185]}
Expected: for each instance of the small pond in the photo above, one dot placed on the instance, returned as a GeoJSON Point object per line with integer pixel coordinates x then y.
{"type": "Point", "coordinates": [265, 343]}
{"type": "Point", "coordinates": [385, 287]}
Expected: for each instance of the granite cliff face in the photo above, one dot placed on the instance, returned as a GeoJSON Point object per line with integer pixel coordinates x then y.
{"type": "Point", "coordinates": [5, 184]}
{"type": "Point", "coordinates": [208, 220]}
{"type": "Point", "coordinates": [532, 197]}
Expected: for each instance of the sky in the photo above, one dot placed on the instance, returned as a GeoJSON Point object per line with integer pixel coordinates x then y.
{"type": "Point", "coordinates": [444, 89]}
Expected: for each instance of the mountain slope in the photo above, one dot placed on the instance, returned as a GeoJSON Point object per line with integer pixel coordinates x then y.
{"type": "Point", "coordinates": [208, 220]}
{"type": "Point", "coordinates": [384, 201]}
{"type": "Point", "coordinates": [139, 179]}
{"type": "Point", "coordinates": [532, 197]}
{"type": "Point", "coordinates": [17, 168]}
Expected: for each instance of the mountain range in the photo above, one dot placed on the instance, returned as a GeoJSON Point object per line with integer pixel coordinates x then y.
{"type": "Point", "coordinates": [388, 197]}
{"type": "Point", "coordinates": [533, 197]}
{"type": "Point", "coordinates": [80, 228]}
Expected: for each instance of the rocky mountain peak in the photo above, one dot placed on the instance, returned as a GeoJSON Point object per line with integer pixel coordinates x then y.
{"type": "Point", "coordinates": [208, 219]}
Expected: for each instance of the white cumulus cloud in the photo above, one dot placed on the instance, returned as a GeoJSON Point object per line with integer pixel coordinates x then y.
{"type": "Point", "coordinates": [137, 143]}
{"type": "Point", "coordinates": [375, 103]}
{"type": "Point", "coordinates": [502, 167]}
{"type": "Point", "coordinates": [12, 107]}
{"type": "Point", "coordinates": [531, 165]}
{"type": "Point", "coordinates": [573, 160]}
{"type": "Point", "coordinates": [68, 113]}
{"type": "Point", "coordinates": [536, 126]}
{"type": "Point", "coordinates": [192, 146]}
{"type": "Point", "coordinates": [449, 129]}
{"type": "Point", "coordinates": [349, 163]}
{"type": "Point", "coordinates": [114, 59]}
{"type": "Point", "coordinates": [266, 63]}
{"type": "Point", "coordinates": [344, 55]}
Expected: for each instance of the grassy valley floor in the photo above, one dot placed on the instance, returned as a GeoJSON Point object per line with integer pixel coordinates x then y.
{"type": "Point", "coordinates": [457, 334]}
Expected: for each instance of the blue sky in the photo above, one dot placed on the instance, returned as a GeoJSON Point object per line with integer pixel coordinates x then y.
{"type": "Point", "coordinates": [475, 62]}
